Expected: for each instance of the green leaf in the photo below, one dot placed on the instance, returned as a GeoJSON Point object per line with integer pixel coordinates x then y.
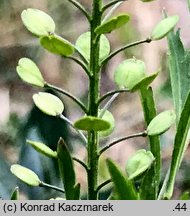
{"type": "Point", "coordinates": [164, 27]}
{"type": "Point", "coordinates": [188, 2]}
{"type": "Point", "coordinates": [15, 194]}
{"type": "Point", "coordinates": [139, 163]}
{"type": "Point", "coordinates": [181, 142]}
{"type": "Point", "coordinates": [57, 45]}
{"type": "Point", "coordinates": [148, 104]}
{"type": "Point", "coordinates": [76, 192]}
{"type": "Point", "coordinates": [29, 72]}
{"type": "Point", "coordinates": [185, 196]}
{"type": "Point", "coordinates": [122, 185]}
{"type": "Point", "coordinates": [129, 73]}
{"type": "Point", "coordinates": [145, 82]}
{"type": "Point", "coordinates": [67, 172]}
{"type": "Point", "coordinates": [90, 123]}
{"type": "Point", "coordinates": [48, 103]}
{"type": "Point", "coordinates": [83, 45]}
{"type": "Point", "coordinates": [179, 66]}
{"type": "Point", "coordinates": [107, 116]}
{"type": "Point", "coordinates": [147, 190]}
{"type": "Point", "coordinates": [112, 24]}
{"type": "Point", "coordinates": [42, 148]}
{"type": "Point", "coordinates": [38, 22]}
{"type": "Point", "coordinates": [26, 175]}
{"type": "Point", "coordinates": [161, 123]}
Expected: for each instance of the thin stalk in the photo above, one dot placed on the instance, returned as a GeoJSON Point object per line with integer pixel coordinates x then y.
{"type": "Point", "coordinates": [81, 56]}
{"type": "Point", "coordinates": [81, 8]}
{"type": "Point", "coordinates": [94, 89]}
{"type": "Point", "coordinates": [141, 134]}
{"type": "Point", "coordinates": [79, 62]}
{"type": "Point", "coordinates": [71, 124]}
{"type": "Point", "coordinates": [111, 4]}
{"type": "Point", "coordinates": [43, 184]}
{"type": "Point", "coordinates": [108, 104]}
{"type": "Point", "coordinates": [64, 92]}
{"type": "Point", "coordinates": [81, 163]}
{"type": "Point", "coordinates": [110, 93]}
{"type": "Point", "coordinates": [103, 184]}
{"type": "Point", "coordinates": [109, 14]}
{"type": "Point", "coordinates": [148, 40]}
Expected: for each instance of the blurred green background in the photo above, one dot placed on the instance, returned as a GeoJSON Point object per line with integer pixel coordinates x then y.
{"type": "Point", "coordinates": [19, 119]}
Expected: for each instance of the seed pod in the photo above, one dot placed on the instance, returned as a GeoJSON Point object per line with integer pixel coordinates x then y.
{"type": "Point", "coordinates": [38, 22]}
{"type": "Point", "coordinates": [29, 72]}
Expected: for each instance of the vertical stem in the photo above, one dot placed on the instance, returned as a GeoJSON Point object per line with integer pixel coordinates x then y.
{"type": "Point", "coordinates": [94, 88]}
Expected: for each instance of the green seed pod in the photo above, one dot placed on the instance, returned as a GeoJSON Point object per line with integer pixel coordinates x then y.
{"type": "Point", "coordinates": [42, 148]}
{"type": "Point", "coordinates": [161, 123]}
{"type": "Point", "coordinates": [57, 45]}
{"type": "Point", "coordinates": [29, 72]}
{"type": "Point", "coordinates": [48, 103]}
{"type": "Point", "coordinates": [164, 27]}
{"type": "Point", "coordinates": [26, 175]}
{"type": "Point", "coordinates": [38, 22]}
{"type": "Point", "coordinates": [90, 123]}
{"type": "Point", "coordinates": [107, 116]}
{"type": "Point", "coordinates": [83, 45]}
{"type": "Point", "coordinates": [139, 163]}
{"type": "Point", "coordinates": [129, 73]}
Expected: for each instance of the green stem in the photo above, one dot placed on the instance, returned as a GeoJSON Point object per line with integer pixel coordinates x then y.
{"type": "Point", "coordinates": [81, 163]}
{"type": "Point", "coordinates": [81, 8]}
{"type": "Point", "coordinates": [94, 89]}
{"type": "Point", "coordinates": [141, 134]}
{"type": "Point", "coordinates": [103, 184]}
{"type": "Point", "coordinates": [111, 4]}
{"type": "Point", "coordinates": [148, 40]}
{"type": "Point", "coordinates": [79, 62]}
{"type": "Point", "coordinates": [43, 184]}
{"type": "Point", "coordinates": [62, 91]}
{"type": "Point", "coordinates": [110, 93]}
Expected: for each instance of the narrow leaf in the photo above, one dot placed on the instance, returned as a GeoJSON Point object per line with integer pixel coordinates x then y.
{"type": "Point", "coordinates": [15, 194]}
{"type": "Point", "coordinates": [90, 123]}
{"type": "Point", "coordinates": [180, 144]}
{"type": "Point", "coordinates": [179, 65]}
{"type": "Point", "coordinates": [145, 82]}
{"type": "Point", "coordinates": [66, 168]}
{"type": "Point", "coordinates": [42, 148]}
{"type": "Point", "coordinates": [57, 45]}
{"type": "Point", "coordinates": [148, 186]}
{"type": "Point", "coordinates": [122, 185]}
{"type": "Point", "coordinates": [185, 196]}
{"type": "Point", "coordinates": [26, 175]}
{"type": "Point", "coordinates": [112, 24]}
{"type": "Point", "coordinates": [148, 104]}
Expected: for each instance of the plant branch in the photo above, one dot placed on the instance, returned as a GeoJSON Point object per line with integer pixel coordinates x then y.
{"type": "Point", "coordinates": [109, 14]}
{"type": "Point", "coordinates": [148, 40]}
{"type": "Point", "coordinates": [81, 163]}
{"type": "Point", "coordinates": [141, 134]}
{"type": "Point", "coordinates": [81, 64]}
{"type": "Point", "coordinates": [111, 4]}
{"type": "Point", "coordinates": [81, 8]}
{"type": "Point", "coordinates": [43, 184]}
{"type": "Point", "coordinates": [62, 91]}
{"type": "Point", "coordinates": [103, 184]}
{"type": "Point", "coordinates": [108, 104]}
{"type": "Point", "coordinates": [71, 124]}
{"type": "Point", "coordinates": [110, 93]}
